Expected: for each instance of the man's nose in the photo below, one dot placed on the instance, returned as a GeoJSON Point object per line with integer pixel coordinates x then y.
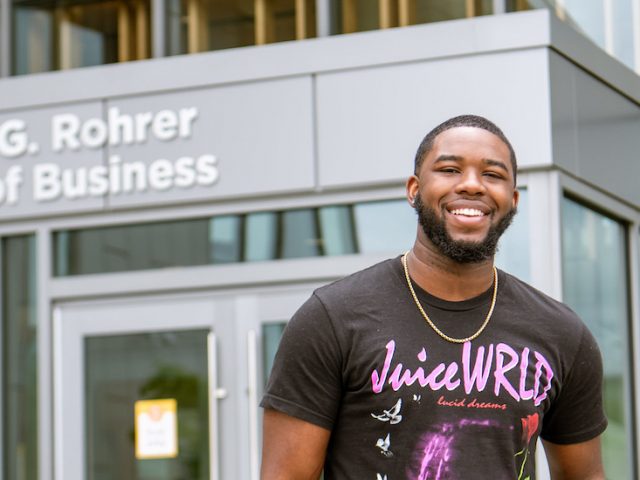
{"type": "Point", "coordinates": [471, 183]}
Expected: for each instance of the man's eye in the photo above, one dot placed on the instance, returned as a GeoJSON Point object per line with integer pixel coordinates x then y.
{"type": "Point", "coordinates": [449, 170]}
{"type": "Point", "coordinates": [493, 175]}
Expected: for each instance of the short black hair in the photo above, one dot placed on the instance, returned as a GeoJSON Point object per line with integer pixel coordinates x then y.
{"type": "Point", "coordinates": [463, 121]}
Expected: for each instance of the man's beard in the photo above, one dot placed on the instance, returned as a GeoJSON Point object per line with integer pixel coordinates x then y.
{"type": "Point", "coordinates": [460, 251]}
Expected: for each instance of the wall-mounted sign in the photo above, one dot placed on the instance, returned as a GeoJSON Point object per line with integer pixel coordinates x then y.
{"type": "Point", "coordinates": [156, 428]}
{"type": "Point", "coordinates": [157, 149]}
{"type": "Point", "coordinates": [117, 176]}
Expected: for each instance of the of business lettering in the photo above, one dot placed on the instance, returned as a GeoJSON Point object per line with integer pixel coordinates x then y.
{"type": "Point", "coordinates": [52, 182]}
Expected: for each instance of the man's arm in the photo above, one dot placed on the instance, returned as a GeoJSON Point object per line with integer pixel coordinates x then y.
{"type": "Point", "coordinates": [578, 461]}
{"type": "Point", "coordinates": [292, 449]}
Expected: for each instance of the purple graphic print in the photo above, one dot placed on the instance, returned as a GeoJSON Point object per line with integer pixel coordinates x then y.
{"type": "Point", "coordinates": [435, 455]}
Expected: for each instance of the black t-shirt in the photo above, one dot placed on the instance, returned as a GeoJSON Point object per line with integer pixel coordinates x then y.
{"type": "Point", "coordinates": [359, 359]}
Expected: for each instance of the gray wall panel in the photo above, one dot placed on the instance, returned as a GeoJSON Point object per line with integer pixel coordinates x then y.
{"type": "Point", "coordinates": [370, 121]}
{"type": "Point", "coordinates": [260, 133]}
{"type": "Point", "coordinates": [563, 112]}
{"type": "Point", "coordinates": [252, 138]}
{"type": "Point", "coordinates": [595, 130]}
{"type": "Point", "coordinates": [608, 138]}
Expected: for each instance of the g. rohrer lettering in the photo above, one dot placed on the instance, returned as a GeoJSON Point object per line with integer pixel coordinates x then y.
{"type": "Point", "coordinates": [69, 132]}
{"type": "Point", "coordinates": [52, 180]}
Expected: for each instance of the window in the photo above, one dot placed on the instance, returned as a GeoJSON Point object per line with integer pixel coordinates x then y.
{"type": "Point", "coordinates": [60, 35]}
{"type": "Point", "coordinates": [367, 227]}
{"type": "Point", "coordinates": [19, 359]}
{"type": "Point", "coordinates": [271, 335]}
{"type": "Point", "coordinates": [203, 25]}
{"type": "Point", "coordinates": [360, 15]}
{"type": "Point", "coordinates": [513, 250]}
{"type": "Point", "coordinates": [383, 226]}
{"type": "Point", "coordinates": [595, 284]}
{"type": "Point", "coordinates": [385, 223]}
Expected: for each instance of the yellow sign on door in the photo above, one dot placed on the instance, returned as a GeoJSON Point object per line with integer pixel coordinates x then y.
{"type": "Point", "coordinates": [156, 428]}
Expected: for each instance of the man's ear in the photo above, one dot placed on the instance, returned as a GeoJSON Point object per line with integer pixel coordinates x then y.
{"type": "Point", "coordinates": [516, 197]}
{"type": "Point", "coordinates": [412, 187]}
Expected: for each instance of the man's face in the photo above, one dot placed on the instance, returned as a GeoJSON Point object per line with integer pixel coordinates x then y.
{"type": "Point", "coordinates": [464, 193]}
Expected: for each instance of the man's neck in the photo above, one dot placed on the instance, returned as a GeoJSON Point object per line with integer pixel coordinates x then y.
{"type": "Point", "coordinates": [445, 278]}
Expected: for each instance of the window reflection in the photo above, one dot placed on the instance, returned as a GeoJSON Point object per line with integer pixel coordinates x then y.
{"type": "Point", "coordinates": [19, 351]}
{"type": "Point", "coordinates": [387, 226]}
{"type": "Point", "coordinates": [224, 239]}
{"type": "Point", "coordinates": [132, 247]}
{"type": "Point", "coordinates": [203, 25]}
{"type": "Point", "coordinates": [300, 234]}
{"type": "Point", "coordinates": [60, 35]}
{"type": "Point", "coordinates": [595, 285]}
{"type": "Point", "coordinates": [513, 249]}
{"type": "Point", "coordinates": [261, 236]}
{"type": "Point", "coordinates": [381, 224]}
{"type": "Point", "coordinates": [271, 334]}
{"type": "Point", "coordinates": [336, 225]}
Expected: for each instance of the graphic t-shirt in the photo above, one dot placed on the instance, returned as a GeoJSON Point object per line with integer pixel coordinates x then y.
{"type": "Point", "coordinates": [359, 359]}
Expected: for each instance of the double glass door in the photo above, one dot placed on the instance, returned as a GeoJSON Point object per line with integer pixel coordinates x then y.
{"type": "Point", "coordinates": [164, 388]}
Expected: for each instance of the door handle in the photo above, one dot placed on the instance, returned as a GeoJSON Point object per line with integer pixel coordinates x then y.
{"type": "Point", "coordinates": [252, 391]}
{"type": "Point", "coordinates": [215, 394]}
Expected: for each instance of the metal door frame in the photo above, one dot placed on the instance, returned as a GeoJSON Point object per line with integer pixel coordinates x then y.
{"type": "Point", "coordinates": [74, 321]}
{"type": "Point", "coordinates": [235, 318]}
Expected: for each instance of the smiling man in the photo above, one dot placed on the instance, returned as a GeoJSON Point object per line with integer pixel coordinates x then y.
{"type": "Point", "coordinates": [436, 365]}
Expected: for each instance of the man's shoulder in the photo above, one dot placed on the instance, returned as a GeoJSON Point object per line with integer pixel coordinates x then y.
{"type": "Point", "coordinates": [529, 299]}
{"type": "Point", "coordinates": [371, 281]}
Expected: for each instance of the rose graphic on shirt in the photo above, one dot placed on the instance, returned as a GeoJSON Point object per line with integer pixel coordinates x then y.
{"type": "Point", "coordinates": [529, 428]}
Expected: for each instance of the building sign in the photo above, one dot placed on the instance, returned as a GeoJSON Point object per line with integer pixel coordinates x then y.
{"type": "Point", "coordinates": [156, 428]}
{"type": "Point", "coordinates": [51, 181]}
{"type": "Point", "coordinates": [157, 149]}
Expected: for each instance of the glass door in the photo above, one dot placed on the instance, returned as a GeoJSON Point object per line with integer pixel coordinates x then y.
{"type": "Point", "coordinates": [140, 394]}
{"type": "Point", "coordinates": [166, 387]}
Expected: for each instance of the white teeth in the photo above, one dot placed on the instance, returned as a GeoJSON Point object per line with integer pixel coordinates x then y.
{"type": "Point", "coordinates": [469, 212]}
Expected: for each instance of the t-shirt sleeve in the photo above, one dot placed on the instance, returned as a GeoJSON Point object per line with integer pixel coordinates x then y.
{"type": "Point", "coordinates": [577, 414]}
{"type": "Point", "coordinates": [306, 378]}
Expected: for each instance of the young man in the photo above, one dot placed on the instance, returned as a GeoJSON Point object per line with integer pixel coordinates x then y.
{"type": "Point", "coordinates": [435, 365]}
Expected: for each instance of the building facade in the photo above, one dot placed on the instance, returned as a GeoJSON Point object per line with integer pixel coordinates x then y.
{"type": "Point", "coordinates": [162, 219]}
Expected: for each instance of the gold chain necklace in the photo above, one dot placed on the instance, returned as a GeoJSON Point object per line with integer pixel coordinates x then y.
{"type": "Point", "coordinates": [432, 325]}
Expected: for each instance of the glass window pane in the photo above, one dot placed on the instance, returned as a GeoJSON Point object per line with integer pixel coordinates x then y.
{"type": "Point", "coordinates": [61, 35]}
{"type": "Point", "coordinates": [225, 238]}
{"type": "Point", "coordinates": [203, 25]}
{"type": "Point", "coordinates": [299, 234]}
{"type": "Point", "coordinates": [354, 16]}
{"type": "Point", "coordinates": [121, 370]}
{"type": "Point", "coordinates": [132, 247]}
{"type": "Point", "coordinates": [336, 225]}
{"type": "Point", "coordinates": [429, 11]}
{"type": "Point", "coordinates": [622, 29]}
{"type": "Point", "coordinates": [595, 285]}
{"type": "Point", "coordinates": [588, 17]}
{"type": "Point", "coordinates": [19, 359]}
{"type": "Point", "coordinates": [387, 226]}
{"type": "Point", "coordinates": [261, 236]}
{"type": "Point", "coordinates": [229, 24]}
{"type": "Point", "coordinates": [513, 250]}
{"type": "Point", "coordinates": [271, 334]}
{"type": "Point", "coordinates": [32, 39]}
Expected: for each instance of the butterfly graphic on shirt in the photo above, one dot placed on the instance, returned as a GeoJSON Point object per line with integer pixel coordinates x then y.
{"type": "Point", "coordinates": [392, 415]}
